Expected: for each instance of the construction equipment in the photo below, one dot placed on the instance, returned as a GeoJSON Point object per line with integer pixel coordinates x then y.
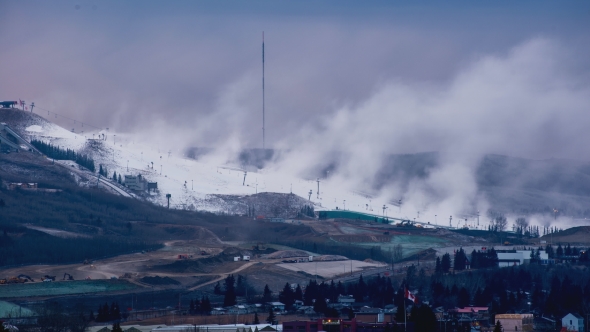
{"type": "Point", "coordinates": [16, 280]}
{"type": "Point", "coordinates": [52, 278]}
{"type": "Point", "coordinates": [69, 276]}
{"type": "Point", "coordinates": [24, 276]}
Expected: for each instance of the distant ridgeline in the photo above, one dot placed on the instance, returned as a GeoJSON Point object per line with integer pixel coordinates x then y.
{"type": "Point", "coordinates": [61, 154]}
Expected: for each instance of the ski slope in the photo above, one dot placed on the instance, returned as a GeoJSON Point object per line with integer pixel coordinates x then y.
{"type": "Point", "coordinates": [194, 184]}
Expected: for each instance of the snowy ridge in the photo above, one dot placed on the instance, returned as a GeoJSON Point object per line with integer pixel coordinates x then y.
{"type": "Point", "coordinates": [193, 184]}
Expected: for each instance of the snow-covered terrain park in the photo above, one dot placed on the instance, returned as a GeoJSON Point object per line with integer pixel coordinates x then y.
{"type": "Point", "coordinates": [194, 184]}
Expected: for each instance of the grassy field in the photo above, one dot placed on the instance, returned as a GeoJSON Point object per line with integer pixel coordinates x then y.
{"type": "Point", "coordinates": [64, 288]}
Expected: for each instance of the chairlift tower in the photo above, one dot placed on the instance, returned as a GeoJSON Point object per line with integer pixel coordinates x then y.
{"type": "Point", "coordinates": [450, 220]}
{"type": "Point", "coordinates": [318, 193]}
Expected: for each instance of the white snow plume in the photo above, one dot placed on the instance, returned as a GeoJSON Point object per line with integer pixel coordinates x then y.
{"type": "Point", "coordinates": [527, 102]}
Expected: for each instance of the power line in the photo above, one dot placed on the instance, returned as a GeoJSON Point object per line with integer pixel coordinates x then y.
{"type": "Point", "coordinates": [65, 117]}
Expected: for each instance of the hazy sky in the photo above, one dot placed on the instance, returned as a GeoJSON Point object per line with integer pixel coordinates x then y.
{"type": "Point", "coordinates": [370, 77]}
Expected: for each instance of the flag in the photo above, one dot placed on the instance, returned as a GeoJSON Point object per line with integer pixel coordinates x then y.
{"type": "Point", "coordinates": [408, 295]}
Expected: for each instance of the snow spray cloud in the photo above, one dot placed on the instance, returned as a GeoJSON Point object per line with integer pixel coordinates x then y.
{"type": "Point", "coordinates": [524, 103]}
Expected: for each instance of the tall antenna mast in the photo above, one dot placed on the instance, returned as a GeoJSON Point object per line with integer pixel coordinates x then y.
{"type": "Point", "coordinates": [263, 138]}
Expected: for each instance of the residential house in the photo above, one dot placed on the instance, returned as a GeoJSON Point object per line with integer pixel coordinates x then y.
{"type": "Point", "coordinates": [345, 299]}
{"type": "Point", "coordinates": [218, 311]}
{"type": "Point", "coordinates": [277, 306]}
{"type": "Point", "coordinates": [572, 322]}
{"type": "Point", "coordinates": [238, 309]}
{"type": "Point", "coordinates": [515, 322]}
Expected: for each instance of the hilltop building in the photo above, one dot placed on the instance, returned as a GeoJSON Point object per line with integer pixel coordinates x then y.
{"type": "Point", "coordinates": [139, 183]}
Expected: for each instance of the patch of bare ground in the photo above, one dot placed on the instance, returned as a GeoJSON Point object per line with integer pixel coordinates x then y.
{"type": "Point", "coordinates": [259, 275]}
{"type": "Point", "coordinates": [286, 254]}
{"type": "Point", "coordinates": [574, 235]}
{"type": "Point", "coordinates": [222, 263]}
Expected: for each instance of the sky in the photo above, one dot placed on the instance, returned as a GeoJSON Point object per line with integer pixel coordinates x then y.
{"type": "Point", "coordinates": [366, 79]}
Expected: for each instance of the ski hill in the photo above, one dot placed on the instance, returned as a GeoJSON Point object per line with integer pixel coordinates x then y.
{"type": "Point", "coordinates": [192, 184]}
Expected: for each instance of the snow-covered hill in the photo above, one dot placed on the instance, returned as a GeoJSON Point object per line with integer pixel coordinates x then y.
{"type": "Point", "coordinates": [203, 184]}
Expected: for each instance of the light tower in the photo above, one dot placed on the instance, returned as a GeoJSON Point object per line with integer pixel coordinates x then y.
{"type": "Point", "coordinates": [450, 219]}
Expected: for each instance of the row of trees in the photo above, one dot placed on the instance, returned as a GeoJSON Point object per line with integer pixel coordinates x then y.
{"type": "Point", "coordinates": [107, 314]}
{"type": "Point", "coordinates": [202, 306]}
{"type": "Point", "coordinates": [306, 211]}
{"type": "Point", "coordinates": [56, 152]}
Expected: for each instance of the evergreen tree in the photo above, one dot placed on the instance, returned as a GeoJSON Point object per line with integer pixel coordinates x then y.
{"type": "Point", "coordinates": [498, 327]}
{"type": "Point", "coordinates": [230, 291]}
{"type": "Point", "coordinates": [445, 263]}
{"type": "Point", "coordinates": [271, 319]}
{"type": "Point", "coordinates": [438, 268]}
{"type": "Point", "coordinates": [217, 289]}
{"type": "Point", "coordinates": [287, 297]}
{"type": "Point", "coordinates": [559, 251]}
{"type": "Point", "coordinates": [423, 318]}
{"type": "Point", "coordinates": [320, 305]}
{"type": "Point", "coordinates": [267, 294]}
{"type": "Point", "coordinates": [299, 293]}
{"type": "Point", "coordinates": [256, 320]}
{"type": "Point", "coordinates": [117, 328]}
{"type": "Point", "coordinates": [460, 258]}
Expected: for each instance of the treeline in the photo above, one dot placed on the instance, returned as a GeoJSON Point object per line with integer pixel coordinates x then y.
{"type": "Point", "coordinates": [551, 291]}
{"type": "Point", "coordinates": [306, 210]}
{"type": "Point", "coordinates": [56, 152]}
{"type": "Point", "coordinates": [32, 247]}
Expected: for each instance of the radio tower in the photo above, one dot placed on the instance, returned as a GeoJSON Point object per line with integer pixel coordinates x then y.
{"type": "Point", "coordinates": [263, 140]}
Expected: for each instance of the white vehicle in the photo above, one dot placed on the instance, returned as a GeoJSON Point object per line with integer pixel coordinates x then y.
{"type": "Point", "coordinates": [246, 258]}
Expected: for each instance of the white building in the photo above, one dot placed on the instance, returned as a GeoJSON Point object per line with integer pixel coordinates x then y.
{"type": "Point", "coordinates": [277, 306]}
{"type": "Point", "coordinates": [135, 182]}
{"type": "Point", "coordinates": [518, 257]}
{"type": "Point", "coordinates": [573, 322]}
